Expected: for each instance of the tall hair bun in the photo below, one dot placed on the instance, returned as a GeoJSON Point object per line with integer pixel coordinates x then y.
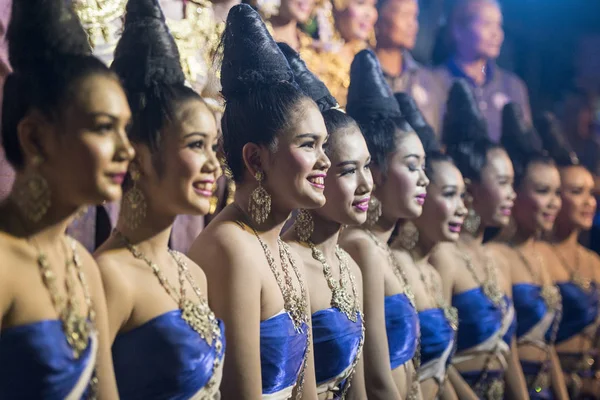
{"type": "Point", "coordinates": [414, 117]}
{"type": "Point", "coordinates": [146, 53]}
{"type": "Point", "coordinates": [554, 141]}
{"type": "Point", "coordinates": [251, 58]}
{"type": "Point", "coordinates": [43, 30]}
{"type": "Point", "coordinates": [520, 141]}
{"type": "Point", "coordinates": [307, 81]}
{"type": "Point", "coordinates": [369, 95]}
{"type": "Point", "coordinates": [463, 121]}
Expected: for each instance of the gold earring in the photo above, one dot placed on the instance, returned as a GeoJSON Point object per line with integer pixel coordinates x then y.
{"type": "Point", "coordinates": [374, 211]}
{"type": "Point", "coordinates": [134, 203]}
{"type": "Point", "coordinates": [472, 222]}
{"type": "Point", "coordinates": [32, 195]}
{"type": "Point", "coordinates": [304, 225]}
{"type": "Point", "coordinates": [259, 205]}
{"type": "Point", "coordinates": [408, 236]}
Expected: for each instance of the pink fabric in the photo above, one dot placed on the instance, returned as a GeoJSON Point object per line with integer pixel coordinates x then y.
{"type": "Point", "coordinates": [7, 174]}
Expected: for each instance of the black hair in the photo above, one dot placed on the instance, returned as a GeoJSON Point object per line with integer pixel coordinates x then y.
{"type": "Point", "coordinates": [50, 54]}
{"type": "Point", "coordinates": [147, 60]}
{"type": "Point", "coordinates": [415, 119]}
{"type": "Point", "coordinates": [465, 132]}
{"type": "Point", "coordinates": [372, 105]}
{"type": "Point", "coordinates": [258, 85]}
{"type": "Point", "coordinates": [522, 143]}
{"type": "Point", "coordinates": [555, 142]}
{"type": "Point", "coordinates": [433, 158]}
{"type": "Point", "coordinates": [307, 81]}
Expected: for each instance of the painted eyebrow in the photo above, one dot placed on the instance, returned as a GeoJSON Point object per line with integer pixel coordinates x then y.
{"type": "Point", "coordinates": [344, 163]}
{"type": "Point", "coordinates": [204, 135]}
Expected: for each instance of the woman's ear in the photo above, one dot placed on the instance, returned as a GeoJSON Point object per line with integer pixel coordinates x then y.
{"type": "Point", "coordinates": [252, 155]}
{"type": "Point", "coordinates": [35, 137]}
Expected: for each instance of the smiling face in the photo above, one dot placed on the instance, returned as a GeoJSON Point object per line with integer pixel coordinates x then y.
{"type": "Point", "coordinates": [86, 150]}
{"type": "Point", "coordinates": [478, 33]}
{"type": "Point", "coordinates": [493, 195]}
{"type": "Point", "coordinates": [398, 24]}
{"type": "Point", "coordinates": [402, 190]}
{"type": "Point", "coordinates": [578, 200]}
{"type": "Point", "coordinates": [538, 198]}
{"type": "Point", "coordinates": [188, 166]}
{"type": "Point", "coordinates": [349, 182]}
{"type": "Point", "coordinates": [296, 10]}
{"type": "Point", "coordinates": [296, 170]}
{"type": "Point", "coordinates": [357, 21]}
{"type": "Point", "coordinates": [444, 210]}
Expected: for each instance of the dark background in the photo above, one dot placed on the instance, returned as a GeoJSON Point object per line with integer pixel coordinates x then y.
{"type": "Point", "coordinates": [543, 44]}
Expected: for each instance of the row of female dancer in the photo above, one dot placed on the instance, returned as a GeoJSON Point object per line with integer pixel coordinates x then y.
{"type": "Point", "coordinates": [381, 289]}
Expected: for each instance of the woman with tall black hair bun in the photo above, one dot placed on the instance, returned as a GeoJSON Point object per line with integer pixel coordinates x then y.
{"type": "Point", "coordinates": [414, 246]}
{"type": "Point", "coordinates": [166, 342]}
{"type": "Point", "coordinates": [334, 280]}
{"type": "Point", "coordinates": [64, 123]}
{"type": "Point", "coordinates": [470, 273]}
{"type": "Point", "coordinates": [576, 273]}
{"type": "Point", "coordinates": [273, 136]}
{"type": "Point", "coordinates": [397, 156]}
{"type": "Point", "coordinates": [527, 260]}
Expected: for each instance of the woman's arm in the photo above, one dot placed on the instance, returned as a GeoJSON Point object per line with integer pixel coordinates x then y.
{"type": "Point", "coordinates": [449, 393]}
{"type": "Point", "coordinates": [107, 384]}
{"type": "Point", "coordinates": [378, 371]}
{"type": "Point", "coordinates": [461, 388]}
{"type": "Point", "coordinates": [559, 386]}
{"type": "Point", "coordinates": [516, 386]}
{"type": "Point", "coordinates": [234, 295]}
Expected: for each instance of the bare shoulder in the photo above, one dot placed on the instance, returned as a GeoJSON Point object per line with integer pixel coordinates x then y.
{"type": "Point", "coordinates": [15, 255]}
{"type": "Point", "coordinates": [360, 247]}
{"type": "Point", "coordinates": [115, 280]}
{"type": "Point", "coordinates": [498, 249]}
{"type": "Point", "coordinates": [194, 269]}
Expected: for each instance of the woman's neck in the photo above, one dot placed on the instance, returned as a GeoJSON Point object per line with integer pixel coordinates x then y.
{"type": "Point", "coordinates": [325, 235]}
{"type": "Point", "coordinates": [523, 238]}
{"type": "Point", "coordinates": [476, 239]}
{"type": "Point", "coordinates": [286, 31]}
{"type": "Point", "coordinates": [51, 226]}
{"type": "Point", "coordinates": [275, 221]}
{"type": "Point", "coordinates": [423, 250]}
{"type": "Point", "coordinates": [391, 59]}
{"type": "Point", "coordinates": [153, 234]}
{"type": "Point", "coordinates": [474, 68]}
{"type": "Point", "coordinates": [383, 228]}
{"type": "Point", "coordinates": [221, 9]}
{"type": "Point", "coordinates": [567, 238]}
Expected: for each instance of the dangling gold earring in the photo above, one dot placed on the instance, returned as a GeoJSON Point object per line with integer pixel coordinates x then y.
{"type": "Point", "coordinates": [374, 211]}
{"type": "Point", "coordinates": [259, 205]}
{"type": "Point", "coordinates": [214, 200]}
{"type": "Point", "coordinates": [408, 236]}
{"type": "Point", "coordinates": [304, 225]}
{"type": "Point", "coordinates": [32, 195]}
{"type": "Point", "coordinates": [472, 222]}
{"type": "Point", "coordinates": [134, 202]}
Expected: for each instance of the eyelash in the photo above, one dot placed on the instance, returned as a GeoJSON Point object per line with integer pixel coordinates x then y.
{"type": "Point", "coordinates": [104, 127]}
{"type": "Point", "coordinates": [308, 145]}
{"type": "Point", "coordinates": [196, 145]}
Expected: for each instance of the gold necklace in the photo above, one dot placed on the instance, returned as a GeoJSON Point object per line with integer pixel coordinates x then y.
{"type": "Point", "coordinates": [552, 298]}
{"type": "Point", "coordinates": [583, 283]}
{"type": "Point", "coordinates": [495, 390]}
{"type": "Point", "coordinates": [197, 315]}
{"type": "Point", "coordinates": [549, 292]}
{"type": "Point", "coordinates": [295, 304]}
{"type": "Point", "coordinates": [407, 291]}
{"type": "Point", "coordinates": [341, 300]}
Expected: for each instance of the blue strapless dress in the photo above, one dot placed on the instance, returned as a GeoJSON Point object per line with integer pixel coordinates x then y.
{"type": "Point", "coordinates": [534, 327]}
{"type": "Point", "coordinates": [165, 359]}
{"type": "Point", "coordinates": [36, 362]}
{"type": "Point", "coordinates": [438, 341]}
{"type": "Point", "coordinates": [402, 327]}
{"type": "Point", "coordinates": [282, 351]}
{"type": "Point", "coordinates": [580, 310]}
{"type": "Point", "coordinates": [483, 330]}
{"type": "Point", "coordinates": [336, 342]}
